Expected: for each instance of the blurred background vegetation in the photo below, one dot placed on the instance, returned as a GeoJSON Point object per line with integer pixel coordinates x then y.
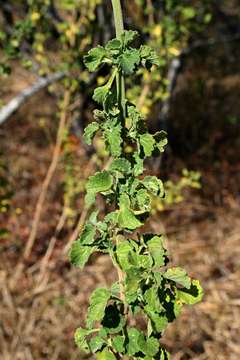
{"type": "Point", "coordinates": [45, 104]}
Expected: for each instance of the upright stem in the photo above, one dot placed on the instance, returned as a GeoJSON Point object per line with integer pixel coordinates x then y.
{"type": "Point", "coordinates": [118, 19]}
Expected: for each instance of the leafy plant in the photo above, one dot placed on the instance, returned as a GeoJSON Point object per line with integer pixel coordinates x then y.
{"type": "Point", "coordinates": [145, 285]}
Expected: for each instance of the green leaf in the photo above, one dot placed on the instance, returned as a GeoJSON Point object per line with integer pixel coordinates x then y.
{"type": "Point", "coordinates": [191, 296]}
{"type": "Point", "coordinates": [132, 345]}
{"type": "Point", "coordinates": [129, 60]}
{"type": "Point", "coordinates": [132, 280]}
{"type": "Point", "coordinates": [141, 261]}
{"type": "Point", "coordinates": [90, 131]}
{"type": "Point", "coordinates": [179, 276]}
{"type": "Point", "coordinates": [160, 321]}
{"type": "Point", "coordinates": [156, 249]}
{"type": "Point", "coordinates": [114, 44]}
{"type": "Point", "coordinates": [149, 347]}
{"type": "Point", "coordinates": [105, 355]}
{"type": "Point", "coordinates": [100, 94]}
{"type": "Point", "coordinates": [87, 235]}
{"type": "Point", "coordinates": [80, 339]}
{"type": "Point", "coordinates": [154, 185]}
{"type": "Point", "coordinates": [96, 343]}
{"type": "Point", "coordinates": [79, 254]}
{"type": "Point", "coordinates": [143, 200]}
{"type": "Point", "coordinates": [118, 343]}
{"type": "Point", "coordinates": [124, 200]}
{"type": "Point", "coordinates": [147, 142]}
{"type": "Point", "coordinates": [128, 36]}
{"type": "Point", "coordinates": [94, 58]}
{"type": "Point", "coordinates": [121, 165]}
{"type": "Point", "coordinates": [127, 219]}
{"type": "Point", "coordinates": [122, 251]}
{"type": "Point", "coordinates": [114, 139]}
{"type": "Point", "coordinates": [151, 297]}
{"type": "Point", "coordinates": [100, 182]}
{"type": "Point", "coordinates": [161, 140]}
{"type": "Point", "coordinates": [98, 303]}
{"type": "Point", "coordinates": [138, 167]}
{"type": "Point", "coordinates": [149, 57]}
{"type": "Point", "coordinates": [90, 198]}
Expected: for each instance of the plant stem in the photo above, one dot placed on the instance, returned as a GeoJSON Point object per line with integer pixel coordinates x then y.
{"type": "Point", "coordinates": [118, 19]}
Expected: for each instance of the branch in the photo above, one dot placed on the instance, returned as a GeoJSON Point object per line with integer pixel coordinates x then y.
{"type": "Point", "coordinates": [49, 176]}
{"type": "Point", "coordinates": [14, 104]}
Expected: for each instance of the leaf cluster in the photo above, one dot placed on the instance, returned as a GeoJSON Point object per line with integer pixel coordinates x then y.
{"type": "Point", "coordinates": [148, 286]}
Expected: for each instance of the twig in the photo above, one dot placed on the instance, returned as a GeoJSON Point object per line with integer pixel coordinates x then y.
{"type": "Point", "coordinates": [76, 231]}
{"type": "Point", "coordinates": [48, 178]}
{"type": "Point", "coordinates": [51, 246]}
{"type": "Point", "coordinates": [14, 104]}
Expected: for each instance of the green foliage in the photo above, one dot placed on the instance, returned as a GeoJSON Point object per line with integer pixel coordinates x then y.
{"type": "Point", "coordinates": [145, 285]}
